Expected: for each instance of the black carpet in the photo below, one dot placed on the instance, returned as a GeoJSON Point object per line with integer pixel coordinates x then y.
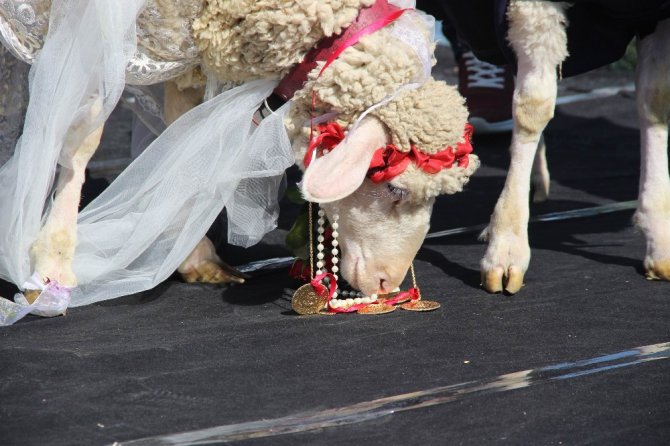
{"type": "Point", "coordinates": [185, 357]}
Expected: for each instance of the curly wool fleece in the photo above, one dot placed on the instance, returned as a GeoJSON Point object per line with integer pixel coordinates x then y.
{"type": "Point", "coordinates": [242, 40]}
{"type": "Point", "coordinates": [430, 117]}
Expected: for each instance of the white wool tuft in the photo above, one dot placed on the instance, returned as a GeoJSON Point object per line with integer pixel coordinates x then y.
{"type": "Point", "coordinates": [247, 39]}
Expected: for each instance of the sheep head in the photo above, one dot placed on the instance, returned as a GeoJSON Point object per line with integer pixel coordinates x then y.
{"type": "Point", "coordinates": [383, 221]}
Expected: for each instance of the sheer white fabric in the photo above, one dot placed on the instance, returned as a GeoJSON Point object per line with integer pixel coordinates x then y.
{"type": "Point", "coordinates": [138, 231]}
{"type": "Point", "coordinates": [82, 62]}
{"type": "Point", "coordinates": [13, 101]}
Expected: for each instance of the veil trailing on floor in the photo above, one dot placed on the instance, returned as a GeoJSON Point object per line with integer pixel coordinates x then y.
{"type": "Point", "coordinates": [138, 231]}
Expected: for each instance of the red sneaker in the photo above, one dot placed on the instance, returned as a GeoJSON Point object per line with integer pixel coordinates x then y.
{"type": "Point", "coordinates": [488, 91]}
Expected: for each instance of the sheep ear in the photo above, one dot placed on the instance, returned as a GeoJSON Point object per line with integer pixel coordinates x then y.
{"type": "Point", "coordinates": [339, 173]}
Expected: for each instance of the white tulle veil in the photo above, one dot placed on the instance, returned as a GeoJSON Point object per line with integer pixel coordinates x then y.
{"type": "Point", "coordinates": [138, 231]}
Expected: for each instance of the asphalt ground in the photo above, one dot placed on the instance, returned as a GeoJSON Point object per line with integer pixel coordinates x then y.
{"type": "Point", "coordinates": [185, 357]}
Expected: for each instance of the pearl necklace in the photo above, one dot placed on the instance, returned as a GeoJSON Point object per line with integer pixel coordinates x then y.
{"type": "Point", "coordinates": [320, 296]}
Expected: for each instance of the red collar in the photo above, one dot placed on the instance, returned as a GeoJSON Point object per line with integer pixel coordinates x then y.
{"type": "Point", "coordinates": [329, 48]}
{"type": "Point", "coordinates": [389, 162]}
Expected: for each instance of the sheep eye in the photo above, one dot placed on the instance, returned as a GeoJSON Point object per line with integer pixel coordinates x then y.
{"type": "Point", "coordinates": [397, 193]}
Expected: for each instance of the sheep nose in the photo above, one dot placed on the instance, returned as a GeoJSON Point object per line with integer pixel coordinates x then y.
{"type": "Point", "coordinates": [383, 286]}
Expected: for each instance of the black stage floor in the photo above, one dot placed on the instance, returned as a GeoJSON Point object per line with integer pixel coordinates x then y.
{"type": "Point", "coordinates": [237, 360]}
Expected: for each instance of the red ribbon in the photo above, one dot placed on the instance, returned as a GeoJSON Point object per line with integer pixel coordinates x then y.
{"type": "Point", "coordinates": [320, 288]}
{"type": "Point", "coordinates": [389, 162]}
{"type": "Point", "coordinates": [330, 135]}
{"type": "Point", "coordinates": [369, 20]}
{"type": "Point", "coordinates": [392, 13]}
{"type": "Point", "coordinates": [411, 295]}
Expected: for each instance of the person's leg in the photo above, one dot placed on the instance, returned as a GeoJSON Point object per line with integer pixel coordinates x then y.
{"type": "Point", "coordinates": [487, 88]}
{"type": "Point", "coordinates": [473, 22]}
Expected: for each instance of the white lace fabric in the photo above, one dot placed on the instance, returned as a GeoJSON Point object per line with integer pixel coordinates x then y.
{"type": "Point", "coordinates": [165, 47]}
{"type": "Point", "coordinates": [23, 25]}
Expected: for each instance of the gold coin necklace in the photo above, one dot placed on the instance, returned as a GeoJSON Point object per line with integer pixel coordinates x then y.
{"type": "Point", "coordinates": [320, 296]}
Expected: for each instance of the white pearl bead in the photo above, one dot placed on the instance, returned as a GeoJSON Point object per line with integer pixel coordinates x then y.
{"type": "Point", "coordinates": [349, 302]}
{"type": "Point", "coordinates": [335, 251]}
{"type": "Point", "coordinates": [396, 289]}
{"type": "Point", "coordinates": [336, 217]}
{"type": "Point", "coordinates": [321, 212]}
{"type": "Point", "coordinates": [335, 260]}
{"type": "Point", "coordinates": [319, 271]}
{"type": "Point", "coordinates": [319, 264]}
{"type": "Point", "coordinates": [335, 268]}
{"type": "Point", "coordinates": [373, 296]}
{"type": "Point", "coordinates": [358, 300]}
{"type": "Point", "coordinates": [335, 243]}
{"type": "Point", "coordinates": [335, 294]}
{"type": "Point", "coordinates": [319, 247]}
{"type": "Point", "coordinates": [336, 277]}
{"type": "Point", "coordinates": [321, 221]}
{"type": "Point", "coordinates": [334, 303]}
{"type": "Point", "coordinates": [335, 225]}
{"type": "Point", "coordinates": [336, 234]}
{"type": "Point", "coordinates": [320, 239]}
{"type": "Point", "coordinates": [320, 256]}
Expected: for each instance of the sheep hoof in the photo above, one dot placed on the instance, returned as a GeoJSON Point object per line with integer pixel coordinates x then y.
{"type": "Point", "coordinates": [31, 295]}
{"type": "Point", "coordinates": [208, 271]}
{"type": "Point", "coordinates": [492, 280]}
{"type": "Point", "coordinates": [514, 280]}
{"type": "Point", "coordinates": [658, 270]}
{"type": "Point", "coordinates": [496, 280]}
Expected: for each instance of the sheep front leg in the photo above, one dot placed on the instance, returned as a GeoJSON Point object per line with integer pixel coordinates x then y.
{"type": "Point", "coordinates": [202, 264]}
{"type": "Point", "coordinates": [537, 35]}
{"type": "Point", "coordinates": [653, 106]}
{"type": "Point", "coordinates": [540, 178]}
{"type": "Point", "coordinates": [53, 249]}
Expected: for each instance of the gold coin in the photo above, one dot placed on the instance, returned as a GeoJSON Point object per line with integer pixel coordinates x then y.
{"type": "Point", "coordinates": [376, 309]}
{"type": "Point", "coordinates": [387, 297]}
{"type": "Point", "coordinates": [306, 301]}
{"type": "Point", "coordinates": [421, 305]}
{"type": "Point", "coordinates": [390, 295]}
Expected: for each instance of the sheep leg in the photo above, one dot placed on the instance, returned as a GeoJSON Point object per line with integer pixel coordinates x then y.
{"type": "Point", "coordinates": [202, 264]}
{"type": "Point", "coordinates": [53, 249]}
{"type": "Point", "coordinates": [539, 177]}
{"type": "Point", "coordinates": [537, 35]}
{"type": "Point", "coordinates": [653, 106]}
